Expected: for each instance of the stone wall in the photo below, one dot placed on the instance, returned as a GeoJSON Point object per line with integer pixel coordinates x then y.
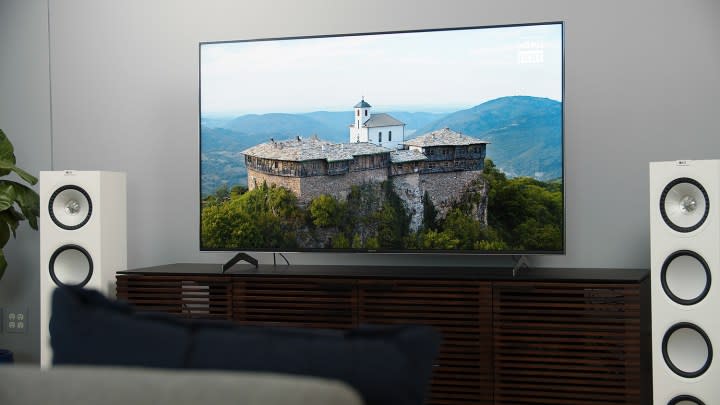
{"type": "Point", "coordinates": [446, 188]}
{"type": "Point", "coordinates": [307, 188]}
{"type": "Point", "coordinates": [337, 186]}
{"type": "Point", "coordinates": [256, 179]}
{"type": "Point", "coordinates": [407, 188]}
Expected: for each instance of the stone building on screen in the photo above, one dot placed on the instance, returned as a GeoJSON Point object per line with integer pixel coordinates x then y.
{"type": "Point", "coordinates": [443, 163]}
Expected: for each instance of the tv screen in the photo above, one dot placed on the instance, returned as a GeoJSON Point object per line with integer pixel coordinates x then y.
{"type": "Point", "coordinates": [439, 140]}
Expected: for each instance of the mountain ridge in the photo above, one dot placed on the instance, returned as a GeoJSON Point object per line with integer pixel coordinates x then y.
{"type": "Point", "coordinates": [525, 135]}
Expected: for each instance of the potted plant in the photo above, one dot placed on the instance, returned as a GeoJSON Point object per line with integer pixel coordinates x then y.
{"type": "Point", "coordinates": [18, 202]}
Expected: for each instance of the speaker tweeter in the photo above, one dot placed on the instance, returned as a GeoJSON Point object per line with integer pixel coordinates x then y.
{"type": "Point", "coordinates": [70, 207]}
{"type": "Point", "coordinates": [684, 204]}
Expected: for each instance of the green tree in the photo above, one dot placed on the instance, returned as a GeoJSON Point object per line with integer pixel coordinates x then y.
{"type": "Point", "coordinates": [356, 242]}
{"type": "Point", "coordinates": [490, 245]}
{"type": "Point", "coordinates": [326, 211]}
{"type": "Point", "coordinates": [432, 239]}
{"type": "Point", "coordinates": [372, 243]}
{"type": "Point", "coordinates": [340, 241]}
{"type": "Point", "coordinates": [393, 222]}
{"type": "Point", "coordinates": [470, 233]}
{"type": "Point", "coordinates": [222, 193]}
{"type": "Point", "coordinates": [238, 190]}
{"type": "Point", "coordinates": [527, 213]}
{"type": "Point", "coordinates": [430, 213]}
{"type": "Point", "coordinates": [260, 218]}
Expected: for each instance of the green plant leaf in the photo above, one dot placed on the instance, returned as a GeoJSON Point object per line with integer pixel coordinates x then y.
{"type": "Point", "coordinates": [6, 167]}
{"type": "Point", "coordinates": [26, 198]}
{"type": "Point", "coordinates": [11, 193]}
{"type": "Point", "coordinates": [7, 196]}
{"type": "Point", "coordinates": [3, 263]}
{"type": "Point", "coordinates": [15, 218]}
{"type": "Point", "coordinates": [7, 153]}
{"type": "Point", "coordinates": [4, 233]}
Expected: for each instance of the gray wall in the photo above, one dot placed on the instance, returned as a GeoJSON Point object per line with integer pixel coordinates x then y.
{"type": "Point", "coordinates": [641, 84]}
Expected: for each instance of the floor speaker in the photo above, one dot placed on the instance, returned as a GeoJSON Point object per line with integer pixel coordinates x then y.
{"type": "Point", "coordinates": [83, 236]}
{"type": "Point", "coordinates": [685, 263]}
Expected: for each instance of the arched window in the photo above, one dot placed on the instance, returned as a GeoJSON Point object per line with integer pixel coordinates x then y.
{"type": "Point", "coordinates": [366, 113]}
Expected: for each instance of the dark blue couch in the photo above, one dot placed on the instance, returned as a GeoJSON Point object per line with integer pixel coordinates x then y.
{"type": "Point", "coordinates": [385, 364]}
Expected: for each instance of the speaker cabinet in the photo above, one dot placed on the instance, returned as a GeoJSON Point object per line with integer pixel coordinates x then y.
{"type": "Point", "coordinates": [83, 236]}
{"type": "Point", "coordinates": [685, 258]}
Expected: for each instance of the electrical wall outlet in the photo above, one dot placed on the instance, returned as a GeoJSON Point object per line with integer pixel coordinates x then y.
{"type": "Point", "coordinates": [15, 320]}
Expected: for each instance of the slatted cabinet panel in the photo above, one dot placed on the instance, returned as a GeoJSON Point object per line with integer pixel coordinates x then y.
{"type": "Point", "coordinates": [460, 310]}
{"type": "Point", "coordinates": [565, 343]}
{"type": "Point", "coordinates": [294, 302]}
{"type": "Point", "coordinates": [505, 342]}
{"type": "Point", "coordinates": [192, 296]}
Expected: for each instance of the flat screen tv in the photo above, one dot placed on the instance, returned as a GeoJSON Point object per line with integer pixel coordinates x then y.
{"type": "Point", "coordinates": [430, 141]}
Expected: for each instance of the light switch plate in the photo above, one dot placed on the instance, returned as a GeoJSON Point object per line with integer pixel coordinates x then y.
{"type": "Point", "coordinates": [15, 320]}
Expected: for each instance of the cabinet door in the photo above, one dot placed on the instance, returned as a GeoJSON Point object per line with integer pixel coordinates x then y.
{"type": "Point", "coordinates": [565, 343]}
{"type": "Point", "coordinates": [460, 310]}
{"type": "Point", "coordinates": [294, 302]}
{"type": "Point", "coordinates": [190, 296]}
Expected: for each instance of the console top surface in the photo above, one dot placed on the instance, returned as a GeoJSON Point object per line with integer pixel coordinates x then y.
{"type": "Point", "coordinates": [399, 272]}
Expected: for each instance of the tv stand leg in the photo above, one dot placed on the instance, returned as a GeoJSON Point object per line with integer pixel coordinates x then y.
{"type": "Point", "coordinates": [521, 262]}
{"type": "Point", "coordinates": [240, 256]}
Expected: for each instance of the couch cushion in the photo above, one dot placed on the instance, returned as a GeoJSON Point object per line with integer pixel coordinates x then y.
{"type": "Point", "coordinates": [87, 328]}
{"type": "Point", "coordinates": [386, 364]}
{"type": "Point", "coordinates": [92, 385]}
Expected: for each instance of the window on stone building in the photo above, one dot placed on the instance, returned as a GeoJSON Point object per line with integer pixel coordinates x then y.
{"type": "Point", "coordinates": [389, 136]}
{"type": "Point", "coordinates": [380, 136]}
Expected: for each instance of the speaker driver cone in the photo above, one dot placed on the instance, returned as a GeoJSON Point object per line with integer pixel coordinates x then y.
{"type": "Point", "coordinates": [687, 350]}
{"type": "Point", "coordinates": [71, 265]}
{"type": "Point", "coordinates": [70, 207]}
{"type": "Point", "coordinates": [685, 277]}
{"type": "Point", "coordinates": [685, 400]}
{"type": "Point", "coordinates": [684, 204]}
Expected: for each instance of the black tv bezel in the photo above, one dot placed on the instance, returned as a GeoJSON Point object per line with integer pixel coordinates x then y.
{"type": "Point", "coordinates": [560, 252]}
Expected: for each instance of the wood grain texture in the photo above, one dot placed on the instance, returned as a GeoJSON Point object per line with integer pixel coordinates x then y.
{"type": "Point", "coordinates": [504, 342]}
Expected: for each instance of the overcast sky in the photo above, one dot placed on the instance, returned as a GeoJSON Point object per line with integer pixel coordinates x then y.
{"type": "Point", "coordinates": [421, 71]}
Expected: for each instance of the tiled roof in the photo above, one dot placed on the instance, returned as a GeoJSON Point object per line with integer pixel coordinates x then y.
{"type": "Point", "coordinates": [362, 104]}
{"type": "Point", "coordinates": [300, 150]}
{"type": "Point", "coordinates": [407, 155]}
{"type": "Point", "coordinates": [443, 137]}
{"type": "Point", "coordinates": [381, 120]}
